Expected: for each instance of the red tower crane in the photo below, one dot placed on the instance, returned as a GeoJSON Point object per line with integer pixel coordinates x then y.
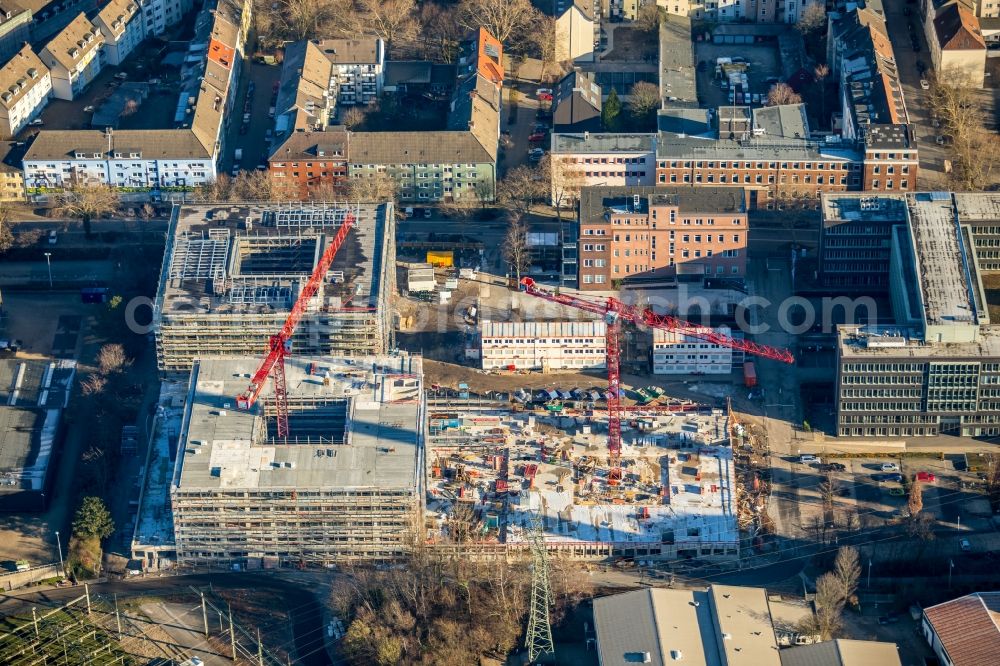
{"type": "Point", "coordinates": [274, 362]}
{"type": "Point", "coordinates": [614, 312]}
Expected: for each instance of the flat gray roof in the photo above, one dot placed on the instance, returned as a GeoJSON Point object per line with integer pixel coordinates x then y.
{"type": "Point", "coordinates": [871, 342]}
{"type": "Point", "coordinates": [376, 400]}
{"type": "Point", "coordinates": [204, 268]}
{"type": "Point", "coordinates": [677, 67]}
{"type": "Point", "coordinates": [32, 396]}
{"type": "Point", "coordinates": [857, 206]}
{"type": "Point", "coordinates": [941, 259]}
{"type": "Point", "coordinates": [603, 142]}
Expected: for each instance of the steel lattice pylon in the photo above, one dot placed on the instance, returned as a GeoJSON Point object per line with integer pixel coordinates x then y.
{"type": "Point", "coordinates": [539, 637]}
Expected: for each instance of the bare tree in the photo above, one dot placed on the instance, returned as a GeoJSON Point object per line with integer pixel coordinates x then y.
{"type": "Point", "coordinates": [303, 19]}
{"type": "Point", "coordinates": [503, 18]}
{"type": "Point", "coordinates": [821, 72]}
{"type": "Point", "coordinates": [213, 191]}
{"type": "Point", "coordinates": [88, 202]}
{"type": "Point", "coordinates": [829, 602]}
{"type": "Point", "coordinates": [112, 359]}
{"type": "Point", "coordinates": [6, 237]}
{"type": "Point", "coordinates": [521, 188]}
{"type": "Point", "coordinates": [564, 181]}
{"type": "Point", "coordinates": [977, 159]}
{"type": "Point", "coordinates": [441, 27]}
{"type": "Point", "coordinates": [392, 20]}
{"type": "Point", "coordinates": [648, 18]}
{"type": "Point", "coordinates": [353, 117]}
{"type": "Point", "coordinates": [847, 569]}
{"type": "Point", "coordinates": [644, 100]}
{"type": "Point", "coordinates": [544, 34]}
{"type": "Point", "coordinates": [515, 250]}
{"type": "Point", "coordinates": [782, 93]}
{"type": "Point", "coordinates": [812, 19]}
{"type": "Point", "coordinates": [375, 187]}
{"type": "Point", "coordinates": [915, 501]}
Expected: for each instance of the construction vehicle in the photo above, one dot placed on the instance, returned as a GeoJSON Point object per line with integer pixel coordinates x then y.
{"type": "Point", "coordinates": [614, 312]}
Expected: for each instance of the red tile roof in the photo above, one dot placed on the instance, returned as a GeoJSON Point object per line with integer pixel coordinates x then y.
{"type": "Point", "coordinates": [489, 58]}
{"type": "Point", "coordinates": [967, 628]}
{"type": "Point", "coordinates": [958, 29]}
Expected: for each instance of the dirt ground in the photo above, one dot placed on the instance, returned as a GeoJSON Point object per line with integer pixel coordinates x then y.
{"type": "Point", "coordinates": [34, 318]}
{"type": "Point", "coordinates": [633, 45]}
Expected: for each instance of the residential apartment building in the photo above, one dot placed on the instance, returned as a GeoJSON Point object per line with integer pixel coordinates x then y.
{"type": "Point", "coordinates": [637, 234]}
{"type": "Point", "coordinates": [145, 159]}
{"type": "Point", "coordinates": [174, 158]}
{"type": "Point", "coordinates": [576, 103]}
{"type": "Point", "coordinates": [457, 163]}
{"type": "Point", "coordinates": [122, 25]}
{"type": "Point", "coordinates": [577, 30]}
{"type": "Point", "coordinates": [11, 175]}
{"type": "Point", "coordinates": [357, 68]}
{"type": "Point", "coordinates": [25, 88]}
{"type": "Point", "coordinates": [752, 11]}
{"type": "Point", "coordinates": [15, 27]}
{"type": "Point", "coordinates": [542, 345]}
{"type": "Point", "coordinates": [426, 166]}
{"type": "Point", "coordinates": [310, 162]}
{"type": "Point", "coordinates": [674, 353]}
{"type": "Point", "coordinates": [158, 15]}
{"type": "Point", "coordinates": [74, 57]}
{"type": "Point", "coordinates": [955, 38]}
{"type": "Point", "coordinates": [591, 159]}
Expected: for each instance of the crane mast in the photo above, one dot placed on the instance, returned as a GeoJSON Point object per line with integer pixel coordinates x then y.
{"type": "Point", "coordinates": [614, 312]}
{"type": "Point", "coordinates": [278, 344]}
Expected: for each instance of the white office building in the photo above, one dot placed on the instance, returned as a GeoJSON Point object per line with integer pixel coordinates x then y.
{"type": "Point", "coordinates": [542, 345]}
{"type": "Point", "coordinates": [678, 354]}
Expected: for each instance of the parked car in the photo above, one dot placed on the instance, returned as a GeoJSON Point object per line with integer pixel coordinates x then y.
{"type": "Point", "coordinates": [37, 122]}
{"type": "Point", "coordinates": [926, 477]}
{"type": "Point", "coordinates": [897, 491]}
{"type": "Point", "coordinates": [808, 458]}
{"type": "Point", "coordinates": [890, 467]}
{"type": "Point", "coordinates": [544, 91]}
{"type": "Point", "coordinates": [545, 97]}
{"type": "Point", "coordinates": [53, 238]}
{"type": "Point", "coordinates": [925, 84]}
{"type": "Point", "coordinates": [897, 478]}
{"type": "Point", "coordinates": [965, 545]}
{"type": "Point", "coordinates": [536, 137]}
{"type": "Point", "coordinates": [833, 467]}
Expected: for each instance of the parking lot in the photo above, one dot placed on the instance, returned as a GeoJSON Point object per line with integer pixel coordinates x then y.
{"type": "Point", "coordinates": [762, 58]}
{"type": "Point", "coordinates": [872, 492]}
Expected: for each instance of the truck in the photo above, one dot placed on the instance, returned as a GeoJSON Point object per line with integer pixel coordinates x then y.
{"type": "Point", "coordinates": [749, 374]}
{"type": "Point", "coordinates": [238, 155]}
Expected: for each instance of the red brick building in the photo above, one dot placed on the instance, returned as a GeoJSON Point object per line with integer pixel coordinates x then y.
{"type": "Point", "coordinates": [651, 232]}
{"type": "Point", "coordinates": [310, 161]}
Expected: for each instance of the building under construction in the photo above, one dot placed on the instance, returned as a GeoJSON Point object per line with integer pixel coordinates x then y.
{"type": "Point", "coordinates": [343, 486]}
{"type": "Point", "coordinates": [493, 472]}
{"type": "Point", "coordinates": [232, 272]}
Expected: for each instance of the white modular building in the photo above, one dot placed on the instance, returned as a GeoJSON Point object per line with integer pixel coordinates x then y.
{"type": "Point", "coordinates": [542, 345]}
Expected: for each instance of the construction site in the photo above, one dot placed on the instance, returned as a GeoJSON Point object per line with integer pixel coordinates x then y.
{"type": "Point", "coordinates": [493, 471]}
{"type": "Point", "coordinates": [342, 484]}
{"type": "Point", "coordinates": [232, 273]}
